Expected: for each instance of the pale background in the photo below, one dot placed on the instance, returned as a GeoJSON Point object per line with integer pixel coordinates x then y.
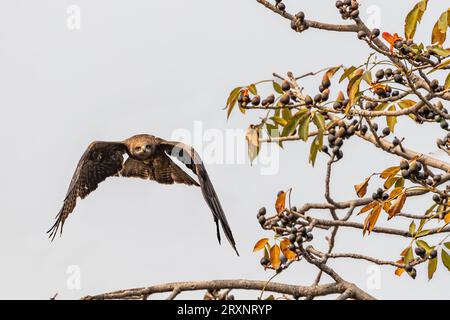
{"type": "Point", "coordinates": [155, 67]}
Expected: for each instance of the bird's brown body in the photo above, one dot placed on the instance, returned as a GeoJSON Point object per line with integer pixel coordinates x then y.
{"type": "Point", "coordinates": [148, 158]}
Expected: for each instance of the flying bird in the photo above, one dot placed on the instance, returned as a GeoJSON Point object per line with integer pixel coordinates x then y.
{"type": "Point", "coordinates": [149, 159]}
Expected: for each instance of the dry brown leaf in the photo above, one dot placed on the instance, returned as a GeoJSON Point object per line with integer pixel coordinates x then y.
{"type": "Point", "coordinates": [361, 189]}
{"type": "Point", "coordinates": [397, 206]}
{"type": "Point", "coordinates": [280, 202]}
{"type": "Point", "coordinates": [260, 244]}
{"type": "Point", "coordinates": [252, 137]}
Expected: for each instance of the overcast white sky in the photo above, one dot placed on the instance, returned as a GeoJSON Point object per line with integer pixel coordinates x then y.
{"type": "Point", "coordinates": [158, 67]}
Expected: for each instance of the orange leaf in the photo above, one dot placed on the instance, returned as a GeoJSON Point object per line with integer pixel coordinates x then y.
{"type": "Point", "coordinates": [397, 206]}
{"type": "Point", "coordinates": [395, 192]}
{"type": "Point", "coordinates": [389, 172]}
{"type": "Point", "coordinates": [447, 218]}
{"type": "Point", "coordinates": [372, 218]}
{"type": "Point", "coordinates": [260, 244]}
{"type": "Point", "coordinates": [361, 189]}
{"type": "Point", "coordinates": [275, 260]}
{"type": "Point", "coordinates": [280, 203]}
{"type": "Point", "coordinates": [378, 86]}
{"type": "Point", "coordinates": [289, 254]}
{"type": "Point", "coordinates": [391, 39]}
{"type": "Point", "coordinates": [399, 271]}
{"type": "Point", "coordinates": [368, 207]}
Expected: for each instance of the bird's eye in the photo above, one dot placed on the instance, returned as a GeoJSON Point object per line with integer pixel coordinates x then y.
{"type": "Point", "coordinates": [137, 148]}
{"type": "Point", "coordinates": [147, 146]}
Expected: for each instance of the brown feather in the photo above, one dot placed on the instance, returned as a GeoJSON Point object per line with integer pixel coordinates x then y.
{"type": "Point", "coordinates": [99, 161]}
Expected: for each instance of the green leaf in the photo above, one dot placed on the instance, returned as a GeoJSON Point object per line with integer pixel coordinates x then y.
{"type": "Point", "coordinates": [277, 87]}
{"type": "Point", "coordinates": [440, 51]}
{"type": "Point", "coordinates": [391, 121]}
{"type": "Point", "coordinates": [272, 130]}
{"type": "Point", "coordinates": [381, 106]}
{"type": "Point", "coordinates": [286, 114]}
{"type": "Point", "coordinates": [303, 129]}
{"type": "Point", "coordinates": [412, 227]}
{"type": "Point", "coordinates": [367, 77]}
{"type": "Point", "coordinates": [447, 82]}
{"type": "Point", "coordinates": [232, 98]}
{"type": "Point", "coordinates": [252, 89]}
{"type": "Point", "coordinates": [353, 87]}
{"type": "Point", "coordinates": [409, 256]}
{"type": "Point", "coordinates": [347, 73]}
{"type": "Point", "coordinates": [279, 121]}
{"type": "Point", "coordinates": [447, 245]}
{"type": "Point", "coordinates": [316, 145]}
{"type": "Point", "coordinates": [432, 266]}
{"type": "Point", "coordinates": [293, 123]}
{"type": "Point", "coordinates": [411, 23]}
{"type": "Point", "coordinates": [423, 244]}
{"type": "Point", "coordinates": [319, 121]}
{"type": "Point", "coordinates": [414, 17]}
{"type": "Point", "coordinates": [423, 233]}
{"type": "Point", "coordinates": [445, 259]}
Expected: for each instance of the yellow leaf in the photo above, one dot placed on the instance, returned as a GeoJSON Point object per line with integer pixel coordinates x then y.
{"type": "Point", "coordinates": [361, 189]}
{"type": "Point", "coordinates": [260, 244]}
{"type": "Point", "coordinates": [391, 121]}
{"type": "Point", "coordinates": [275, 260]}
{"type": "Point", "coordinates": [389, 172]}
{"type": "Point", "coordinates": [397, 206]}
{"type": "Point", "coordinates": [438, 34]}
{"type": "Point", "coordinates": [280, 202]}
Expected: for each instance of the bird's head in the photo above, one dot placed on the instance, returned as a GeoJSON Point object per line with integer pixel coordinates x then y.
{"type": "Point", "coordinates": [142, 150]}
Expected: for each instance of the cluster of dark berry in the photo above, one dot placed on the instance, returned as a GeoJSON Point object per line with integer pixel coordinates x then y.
{"type": "Point", "coordinates": [380, 195]}
{"type": "Point", "coordinates": [430, 114]}
{"type": "Point", "coordinates": [322, 96]}
{"type": "Point", "coordinates": [280, 5]}
{"type": "Point", "coordinates": [338, 134]}
{"type": "Point", "coordinates": [291, 228]}
{"type": "Point", "coordinates": [298, 23]}
{"type": "Point", "coordinates": [421, 252]}
{"type": "Point", "coordinates": [244, 99]}
{"type": "Point", "coordinates": [348, 8]}
{"type": "Point", "coordinates": [415, 171]}
{"type": "Point", "coordinates": [435, 86]}
{"type": "Point", "coordinates": [373, 34]}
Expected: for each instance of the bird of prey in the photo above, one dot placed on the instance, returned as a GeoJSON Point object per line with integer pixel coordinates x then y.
{"type": "Point", "coordinates": [148, 158]}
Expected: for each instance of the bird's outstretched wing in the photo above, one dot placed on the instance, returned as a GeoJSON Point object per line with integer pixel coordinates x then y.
{"type": "Point", "coordinates": [99, 161]}
{"type": "Point", "coordinates": [187, 155]}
